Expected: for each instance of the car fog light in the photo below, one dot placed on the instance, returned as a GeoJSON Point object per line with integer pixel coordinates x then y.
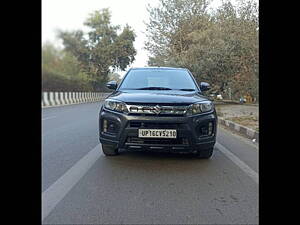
{"type": "Point", "coordinates": [111, 127]}
{"type": "Point", "coordinates": [104, 125]}
{"type": "Point", "coordinates": [210, 128]}
{"type": "Point", "coordinates": [204, 130]}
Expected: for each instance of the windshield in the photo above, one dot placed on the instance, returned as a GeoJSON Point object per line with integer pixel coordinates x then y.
{"type": "Point", "coordinates": [156, 79]}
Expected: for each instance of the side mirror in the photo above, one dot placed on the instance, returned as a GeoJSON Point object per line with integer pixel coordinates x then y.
{"type": "Point", "coordinates": [204, 86]}
{"type": "Point", "coordinates": [112, 85]}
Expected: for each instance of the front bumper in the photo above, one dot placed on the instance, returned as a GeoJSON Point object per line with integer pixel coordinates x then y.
{"type": "Point", "coordinates": [125, 135]}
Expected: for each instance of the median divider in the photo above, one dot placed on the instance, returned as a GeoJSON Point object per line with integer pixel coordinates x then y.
{"type": "Point", "coordinates": [50, 99]}
{"type": "Point", "coordinates": [61, 95]}
{"type": "Point", "coordinates": [67, 101]}
{"type": "Point", "coordinates": [45, 99]}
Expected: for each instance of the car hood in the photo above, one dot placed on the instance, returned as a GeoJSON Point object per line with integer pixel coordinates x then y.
{"type": "Point", "coordinates": [157, 96]}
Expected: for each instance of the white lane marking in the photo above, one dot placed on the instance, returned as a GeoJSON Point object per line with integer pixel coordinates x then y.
{"type": "Point", "coordinates": [250, 172]}
{"type": "Point", "coordinates": [50, 117]}
{"type": "Point", "coordinates": [57, 191]}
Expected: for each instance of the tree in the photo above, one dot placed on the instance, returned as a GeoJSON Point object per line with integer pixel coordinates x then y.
{"type": "Point", "coordinates": [114, 76]}
{"type": "Point", "coordinates": [61, 71]}
{"type": "Point", "coordinates": [220, 47]}
{"type": "Point", "coordinates": [164, 30]}
{"type": "Point", "coordinates": [102, 49]}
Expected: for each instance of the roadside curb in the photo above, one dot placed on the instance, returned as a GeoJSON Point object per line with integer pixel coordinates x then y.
{"type": "Point", "coordinates": [249, 133]}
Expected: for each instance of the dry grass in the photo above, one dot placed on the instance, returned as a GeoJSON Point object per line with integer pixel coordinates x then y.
{"type": "Point", "coordinates": [240, 114]}
{"type": "Point", "coordinates": [219, 111]}
{"type": "Point", "coordinates": [247, 121]}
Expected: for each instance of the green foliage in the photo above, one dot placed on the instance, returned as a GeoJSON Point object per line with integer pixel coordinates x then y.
{"type": "Point", "coordinates": [88, 60]}
{"type": "Point", "coordinates": [102, 49]}
{"type": "Point", "coordinates": [61, 71]}
{"type": "Point", "coordinates": [220, 47]}
{"type": "Point", "coordinates": [115, 77]}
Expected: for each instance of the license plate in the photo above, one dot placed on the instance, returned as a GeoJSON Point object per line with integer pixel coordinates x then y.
{"type": "Point", "coordinates": [157, 133]}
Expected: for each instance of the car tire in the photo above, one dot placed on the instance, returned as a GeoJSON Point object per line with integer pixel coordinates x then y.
{"type": "Point", "coordinates": [109, 150]}
{"type": "Point", "coordinates": [205, 153]}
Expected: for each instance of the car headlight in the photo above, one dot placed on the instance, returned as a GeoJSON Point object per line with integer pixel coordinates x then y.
{"type": "Point", "coordinates": [200, 107]}
{"type": "Point", "coordinates": [115, 105]}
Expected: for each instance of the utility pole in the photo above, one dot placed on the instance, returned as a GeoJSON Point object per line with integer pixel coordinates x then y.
{"type": "Point", "coordinates": [229, 93]}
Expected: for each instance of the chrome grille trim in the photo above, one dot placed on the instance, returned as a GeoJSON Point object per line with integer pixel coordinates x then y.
{"type": "Point", "coordinates": [157, 109]}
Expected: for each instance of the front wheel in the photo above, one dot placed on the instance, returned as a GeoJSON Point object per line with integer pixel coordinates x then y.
{"type": "Point", "coordinates": [109, 150]}
{"type": "Point", "coordinates": [205, 153]}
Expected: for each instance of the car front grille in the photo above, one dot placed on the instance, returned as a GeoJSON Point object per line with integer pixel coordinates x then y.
{"type": "Point", "coordinates": [177, 141]}
{"type": "Point", "coordinates": [153, 125]}
{"type": "Point", "coordinates": [157, 109]}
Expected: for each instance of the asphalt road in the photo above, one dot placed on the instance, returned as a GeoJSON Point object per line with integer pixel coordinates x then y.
{"type": "Point", "coordinates": [82, 186]}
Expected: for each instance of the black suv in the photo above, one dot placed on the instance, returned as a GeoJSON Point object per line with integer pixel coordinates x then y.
{"type": "Point", "coordinates": [158, 109]}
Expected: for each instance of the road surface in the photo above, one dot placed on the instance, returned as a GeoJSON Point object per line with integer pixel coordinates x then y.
{"type": "Point", "coordinates": [82, 186]}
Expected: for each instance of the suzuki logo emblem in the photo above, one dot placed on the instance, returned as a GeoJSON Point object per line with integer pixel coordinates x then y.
{"type": "Point", "coordinates": [157, 109]}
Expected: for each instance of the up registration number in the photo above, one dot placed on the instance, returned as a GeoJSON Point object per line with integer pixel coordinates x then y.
{"type": "Point", "coordinates": [157, 133]}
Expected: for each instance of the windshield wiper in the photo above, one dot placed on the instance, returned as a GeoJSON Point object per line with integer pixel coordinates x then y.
{"type": "Point", "coordinates": [154, 88]}
{"type": "Point", "coordinates": [186, 89]}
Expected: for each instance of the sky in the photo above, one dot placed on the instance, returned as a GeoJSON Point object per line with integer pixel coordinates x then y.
{"type": "Point", "coordinates": [71, 14]}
